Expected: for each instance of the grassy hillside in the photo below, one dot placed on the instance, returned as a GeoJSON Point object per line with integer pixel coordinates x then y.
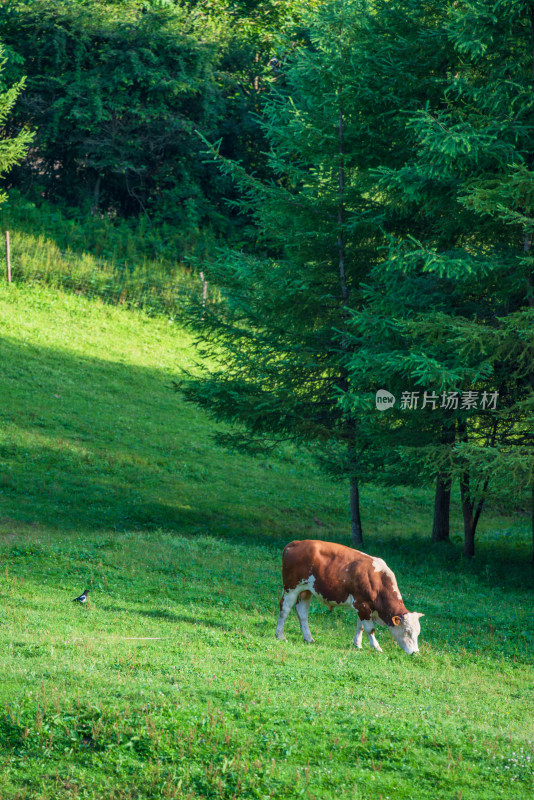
{"type": "Point", "coordinates": [93, 256]}
{"type": "Point", "coordinates": [170, 684]}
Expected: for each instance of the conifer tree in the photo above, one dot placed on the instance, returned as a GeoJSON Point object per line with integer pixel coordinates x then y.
{"type": "Point", "coordinates": [276, 335]}
{"type": "Point", "coordinates": [281, 336]}
{"type": "Point", "coordinates": [12, 148]}
{"type": "Point", "coordinates": [456, 285]}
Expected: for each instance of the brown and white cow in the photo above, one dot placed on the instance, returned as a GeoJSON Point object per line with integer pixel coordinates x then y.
{"type": "Point", "coordinates": [339, 575]}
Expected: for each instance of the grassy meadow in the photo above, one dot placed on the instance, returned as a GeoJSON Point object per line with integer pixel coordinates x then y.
{"type": "Point", "coordinates": [170, 683]}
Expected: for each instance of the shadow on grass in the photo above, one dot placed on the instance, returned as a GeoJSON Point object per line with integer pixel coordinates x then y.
{"type": "Point", "coordinates": [496, 565]}
{"type": "Point", "coordinates": [166, 616]}
{"type": "Point", "coordinates": [206, 623]}
{"type": "Point", "coordinates": [92, 445]}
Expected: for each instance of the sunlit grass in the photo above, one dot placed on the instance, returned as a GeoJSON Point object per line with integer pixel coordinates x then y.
{"type": "Point", "coordinates": [96, 258]}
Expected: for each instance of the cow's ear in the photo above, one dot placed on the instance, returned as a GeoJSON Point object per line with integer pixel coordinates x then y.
{"type": "Point", "coordinates": [418, 615]}
{"type": "Point", "coordinates": [396, 620]}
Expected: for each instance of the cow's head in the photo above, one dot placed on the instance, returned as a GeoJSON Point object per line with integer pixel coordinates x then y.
{"type": "Point", "coordinates": [405, 630]}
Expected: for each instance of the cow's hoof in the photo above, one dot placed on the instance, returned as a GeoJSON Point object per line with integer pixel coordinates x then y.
{"type": "Point", "coordinates": [281, 637]}
{"type": "Point", "coordinates": [309, 641]}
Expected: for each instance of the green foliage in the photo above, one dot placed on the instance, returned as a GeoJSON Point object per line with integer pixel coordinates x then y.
{"type": "Point", "coordinates": [112, 238]}
{"type": "Point", "coordinates": [12, 147]}
{"type": "Point", "coordinates": [323, 219]}
{"type": "Point", "coordinates": [117, 96]}
{"type": "Point", "coordinates": [449, 308]}
{"type": "Point", "coordinates": [276, 337]}
{"type": "Point", "coordinates": [118, 93]}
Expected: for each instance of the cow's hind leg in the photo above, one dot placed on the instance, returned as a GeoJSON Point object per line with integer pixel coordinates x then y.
{"type": "Point", "coordinates": [358, 635]}
{"type": "Point", "coordinates": [286, 604]}
{"type": "Point", "coordinates": [302, 608]}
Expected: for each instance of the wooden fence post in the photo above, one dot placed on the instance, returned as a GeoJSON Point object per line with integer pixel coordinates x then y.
{"type": "Point", "coordinates": [8, 258]}
{"type": "Point", "coordinates": [204, 291]}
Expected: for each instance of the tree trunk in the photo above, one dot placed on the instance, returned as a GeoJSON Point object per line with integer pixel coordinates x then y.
{"type": "Point", "coordinates": [96, 196]}
{"type": "Point", "coordinates": [355, 519]}
{"type": "Point", "coordinates": [442, 501]}
{"type": "Point", "coordinates": [469, 529]}
{"type": "Point", "coordinates": [470, 522]}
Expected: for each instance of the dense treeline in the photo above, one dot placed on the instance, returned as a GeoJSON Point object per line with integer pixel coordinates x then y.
{"type": "Point", "coordinates": [117, 93]}
{"type": "Point", "coordinates": [370, 176]}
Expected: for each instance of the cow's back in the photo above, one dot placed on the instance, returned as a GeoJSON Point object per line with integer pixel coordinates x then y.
{"type": "Point", "coordinates": [329, 569]}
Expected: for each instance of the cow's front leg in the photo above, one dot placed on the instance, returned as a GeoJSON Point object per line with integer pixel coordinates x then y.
{"type": "Point", "coordinates": [302, 609]}
{"type": "Point", "coordinates": [369, 626]}
{"type": "Point", "coordinates": [286, 604]}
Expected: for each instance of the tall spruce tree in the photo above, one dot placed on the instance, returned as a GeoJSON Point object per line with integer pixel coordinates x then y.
{"type": "Point", "coordinates": [455, 289]}
{"type": "Point", "coordinates": [276, 334]}
{"type": "Point", "coordinates": [406, 59]}
{"type": "Point", "coordinates": [388, 132]}
{"type": "Point", "coordinates": [493, 98]}
{"type": "Point", "coordinates": [282, 335]}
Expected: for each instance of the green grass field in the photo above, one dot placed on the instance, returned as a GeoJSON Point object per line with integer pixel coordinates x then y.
{"type": "Point", "coordinates": [170, 684]}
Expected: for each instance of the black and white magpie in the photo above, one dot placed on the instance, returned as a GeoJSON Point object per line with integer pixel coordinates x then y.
{"type": "Point", "coordinates": [82, 598]}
